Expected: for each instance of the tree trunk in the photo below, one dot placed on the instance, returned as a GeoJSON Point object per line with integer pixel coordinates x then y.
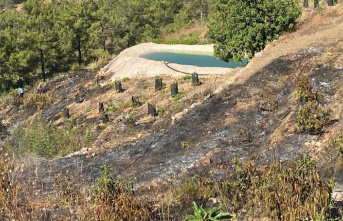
{"type": "Point", "coordinates": [330, 2]}
{"type": "Point", "coordinates": [305, 4]}
{"type": "Point", "coordinates": [79, 58]}
{"type": "Point", "coordinates": [42, 64]}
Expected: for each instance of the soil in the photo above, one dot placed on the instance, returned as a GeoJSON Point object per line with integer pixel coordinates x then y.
{"type": "Point", "coordinates": [249, 112]}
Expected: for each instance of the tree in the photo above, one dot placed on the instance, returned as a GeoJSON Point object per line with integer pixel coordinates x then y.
{"type": "Point", "coordinates": [39, 28]}
{"type": "Point", "coordinates": [240, 28]}
{"type": "Point", "coordinates": [8, 21]}
{"type": "Point", "coordinates": [72, 26]}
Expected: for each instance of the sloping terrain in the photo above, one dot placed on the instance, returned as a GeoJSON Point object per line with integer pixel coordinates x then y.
{"type": "Point", "coordinates": [250, 112]}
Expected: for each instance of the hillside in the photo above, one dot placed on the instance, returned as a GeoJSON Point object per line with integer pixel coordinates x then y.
{"type": "Point", "coordinates": [248, 113]}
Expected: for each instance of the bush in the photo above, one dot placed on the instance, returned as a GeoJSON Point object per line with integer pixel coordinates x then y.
{"type": "Point", "coordinates": [111, 107]}
{"type": "Point", "coordinates": [290, 191]}
{"type": "Point", "coordinates": [37, 101]}
{"type": "Point", "coordinates": [46, 140]}
{"type": "Point", "coordinates": [212, 214]}
{"type": "Point", "coordinates": [125, 79]}
{"type": "Point", "coordinates": [187, 77]}
{"type": "Point", "coordinates": [114, 200]}
{"type": "Point", "coordinates": [312, 118]}
{"type": "Point", "coordinates": [304, 89]}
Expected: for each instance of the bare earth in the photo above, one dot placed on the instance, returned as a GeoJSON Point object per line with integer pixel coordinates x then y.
{"type": "Point", "coordinates": [129, 63]}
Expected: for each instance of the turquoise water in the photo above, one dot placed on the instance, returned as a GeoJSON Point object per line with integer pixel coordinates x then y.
{"type": "Point", "coordinates": [192, 59]}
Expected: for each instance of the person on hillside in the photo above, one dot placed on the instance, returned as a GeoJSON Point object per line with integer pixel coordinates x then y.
{"type": "Point", "coordinates": [21, 91]}
{"type": "Point", "coordinates": [39, 88]}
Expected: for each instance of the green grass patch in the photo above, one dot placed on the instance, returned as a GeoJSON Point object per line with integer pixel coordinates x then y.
{"type": "Point", "coordinates": [46, 140]}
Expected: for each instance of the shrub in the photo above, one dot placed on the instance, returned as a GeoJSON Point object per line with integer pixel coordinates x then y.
{"type": "Point", "coordinates": [291, 190]}
{"type": "Point", "coordinates": [114, 200]}
{"type": "Point", "coordinates": [177, 97]}
{"type": "Point", "coordinates": [125, 79]}
{"type": "Point", "coordinates": [186, 144]}
{"type": "Point", "coordinates": [337, 142]}
{"type": "Point", "coordinates": [111, 107]}
{"type": "Point", "coordinates": [37, 101]}
{"type": "Point", "coordinates": [161, 111]}
{"type": "Point", "coordinates": [312, 118]}
{"type": "Point", "coordinates": [46, 140]}
{"type": "Point", "coordinates": [304, 89]}
{"type": "Point", "coordinates": [135, 103]}
{"type": "Point", "coordinates": [104, 187]}
{"type": "Point", "coordinates": [142, 83]}
{"type": "Point", "coordinates": [187, 77]}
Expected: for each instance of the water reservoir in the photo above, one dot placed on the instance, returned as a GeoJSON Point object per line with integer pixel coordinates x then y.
{"type": "Point", "coordinates": [192, 59]}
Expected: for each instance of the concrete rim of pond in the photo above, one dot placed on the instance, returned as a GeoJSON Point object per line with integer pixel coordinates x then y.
{"type": "Point", "coordinates": [129, 63]}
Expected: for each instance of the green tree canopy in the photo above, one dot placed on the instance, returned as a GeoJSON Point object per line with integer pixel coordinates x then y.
{"type": "Point", "coordinates": [240, 28]}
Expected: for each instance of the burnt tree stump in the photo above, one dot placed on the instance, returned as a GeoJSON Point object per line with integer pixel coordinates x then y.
{"type": "Point", "coordinates": [118, 87]}
{"type": "Point", "coordinates": [104, 118]}
{"type": "Point", "coordinates": [151, 110]}
{"type": "Point", "coordinates": [174, 89]}
{"type": "Point", "coordinates": [78, 98]}
{"type": "Point", "coordinates": [101, 107]}
{"type": "Point", "coordinates": [158, 84]}
{"type": "Point", "coordinates": [66, 112]}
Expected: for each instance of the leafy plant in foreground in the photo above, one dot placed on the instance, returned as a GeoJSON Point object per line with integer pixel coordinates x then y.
{"type": "Point", "coordinates": [211, 214]}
